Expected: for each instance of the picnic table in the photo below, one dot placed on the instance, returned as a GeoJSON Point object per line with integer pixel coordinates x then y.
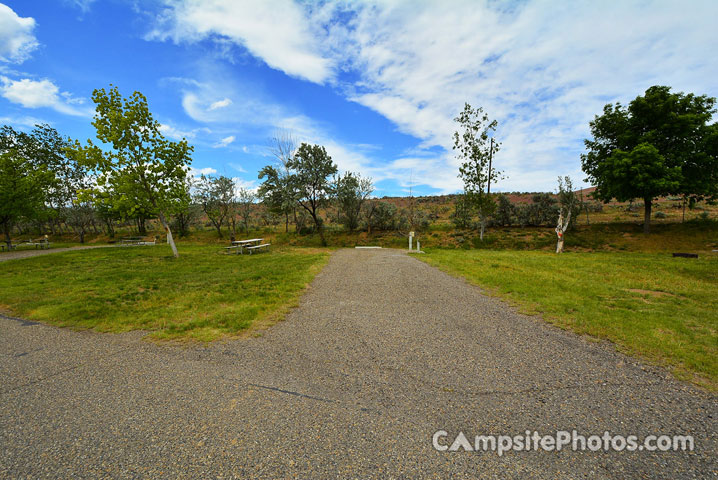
{"type": "Point", "coordinates": [251, 245]}
{"type": "Point", "coordinates": [41, 243]}
{"type": "Point", "coordinates": [130, 241]}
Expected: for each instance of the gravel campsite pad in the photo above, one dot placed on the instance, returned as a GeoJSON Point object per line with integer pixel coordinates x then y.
{"type": "Point", "coordinates": [382, 352]}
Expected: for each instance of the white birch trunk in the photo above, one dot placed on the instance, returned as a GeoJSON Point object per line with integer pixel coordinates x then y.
{"type": "Point", "coordinates": [561, 230]}
{"type": "Point", "coordinates": [170, 239]}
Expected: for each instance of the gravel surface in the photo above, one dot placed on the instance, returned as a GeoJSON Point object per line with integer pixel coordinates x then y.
{"type": "Point", "coordinates": [15, 254]}
{"type": "Point", "coordinates": [382, 352]}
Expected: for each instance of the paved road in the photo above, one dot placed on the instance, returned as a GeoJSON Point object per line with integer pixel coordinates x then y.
{"type": "Point", "coordinates": [382, 352]}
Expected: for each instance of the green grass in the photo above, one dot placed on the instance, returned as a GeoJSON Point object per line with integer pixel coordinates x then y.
{"type": "Point", "coordinates": [201, 295]}
{"type": "Point", "coordinates": [660, 308]}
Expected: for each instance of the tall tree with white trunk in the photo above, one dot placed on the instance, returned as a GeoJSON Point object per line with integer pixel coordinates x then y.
{"type": "Point", "coordinates": [137, 163]}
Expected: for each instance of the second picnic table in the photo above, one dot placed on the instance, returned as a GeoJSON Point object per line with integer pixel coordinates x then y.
{"type": "Point", "coordinates": [250, 244]}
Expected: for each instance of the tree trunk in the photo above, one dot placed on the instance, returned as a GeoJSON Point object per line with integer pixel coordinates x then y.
{"type": "Point", "coordinates": [647, 215]}
{"type": "Point", "coordinates": [684, 210]}
{"type": "Point", "coordinates": [286, 222]}
{"type": "Point", "coordinates": [8, 240]}
{"type": "Point", "coordinates": [170, 240]}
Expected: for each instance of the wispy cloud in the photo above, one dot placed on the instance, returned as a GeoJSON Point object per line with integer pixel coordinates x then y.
{"type": "Point", "coordinates": [224, 142]}
{"type": "Point", "coordinates": [220, 104]}
{"type": "Point", "coordinates": [17, 39]}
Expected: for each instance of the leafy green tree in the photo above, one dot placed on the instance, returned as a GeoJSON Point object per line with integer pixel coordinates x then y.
{"type": "Point", "coordinates": [137, 163]}
{"type": "Point", "coordinates": [22, 191]}
{"type": "Point", "coordinates": [313, 169]}
{"type": "Point", "coordinates": [351, 192]}
{"type": "Point", "coordinates": [475, 148]}
{"type": "Point", "coordinates": [216, 196]}
{"type": "Point", "coordinates": [278, 191]}
{"type": "Point", "coordinates": [45, 149]}
{"type": "Point", "coordinates": [661, 144]}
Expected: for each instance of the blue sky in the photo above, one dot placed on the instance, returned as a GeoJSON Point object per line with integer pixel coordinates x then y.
{"type": "Point", "coordinates": [377, 83]}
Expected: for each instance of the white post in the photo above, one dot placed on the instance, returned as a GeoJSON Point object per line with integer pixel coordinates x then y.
{"type": "Point", "coordinates": [418, 246]}
{"type": "Point", "coordinates": [410, 243]}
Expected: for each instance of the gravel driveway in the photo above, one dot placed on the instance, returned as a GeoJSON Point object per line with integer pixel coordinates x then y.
{"type": "Point", "coordinates": [382, 352]}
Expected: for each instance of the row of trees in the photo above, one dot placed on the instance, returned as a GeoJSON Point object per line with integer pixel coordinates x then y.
{"type": "Point", "coordinates": [133, 173]}
{"type": "Point", "coordinates": [304, 181]}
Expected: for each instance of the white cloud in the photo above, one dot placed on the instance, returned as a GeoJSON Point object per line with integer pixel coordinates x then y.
{"type": "Point", "coordinates": [220, 104]}
{"type": "Point", "coordinates": [276, 32]}
{"type": "Point", "coordinates": [41, 93]}
{"type": "Point", "coordinates": [24, 121]}
{"type": "Point", "coordinates": [542, 68]}
{"type": "Point", "coordinates": [17, 40]}
{"type": "Point", "coordinates": [224, 142]}
{"type": "Point", "coordinates": [178, 134]}
{"type": "Point", "coordinates": [197, 172]}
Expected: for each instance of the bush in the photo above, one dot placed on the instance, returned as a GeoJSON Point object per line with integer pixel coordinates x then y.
{"type": "Point", "coordinates": [504, 211]}
{"type": "Point", "coordinates": [660, 215]}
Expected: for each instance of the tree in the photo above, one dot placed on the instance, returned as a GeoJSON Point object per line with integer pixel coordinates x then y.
{"type": "Point", "coordinates": [463, 212]}
{"type": "Point", "coordinates": [475, 148]}
{"type": "Point", "coordinates": [569, 203]}
{"type": "Point", "coordinates": [45, 149]}
{"type": "Point", "coordinates": [504, 211]}
{"type": "Point", "coordinates": [138, 162]}
{"type": "Point", "coordinates": [245, 202]}
{"type": "Point", "coordinates": [661, 144]}
{"type": "Point", "coordinates": [216, 196]}
{"type": "Point", "coordinates": [22, 188]}
{"type": "Point", "coordinates": [568, 209]}
{"type": "Point", "coordinates": [351, 192]}
{"type": "Point", "coordinates": [80, 216]}
{"type": "Point", "coordinates": [313, 169]}
{"type": "Point", "coordinates": [279, 190]}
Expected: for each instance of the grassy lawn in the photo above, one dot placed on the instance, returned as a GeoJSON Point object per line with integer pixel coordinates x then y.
{"type": "Point", "coordinates": [202, 295]}
{"type": "Point", "coordinates": [660, 308]}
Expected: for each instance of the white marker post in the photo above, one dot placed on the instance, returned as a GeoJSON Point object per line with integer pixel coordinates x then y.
{"type": "Point", "coordinates": [411, 238]}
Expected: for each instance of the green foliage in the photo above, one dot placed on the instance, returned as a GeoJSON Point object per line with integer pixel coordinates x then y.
{"type": "Point", "coordinates": [661, 144]}
{"type": "Point", "coordinates": [351, 192]}
{"type": "Point", "coordinates": [463, 212]}
{"type": "Point", "coordinates": [216, 196]}
{"type": "Point", "coordinates": [245, 204]}
{"type": "Point", "coordinates": [313, 169]}
{"type": "Point", "coordinates": [475, 148]}
{"type": "Point", "coordinates": [22, 190]}
{"type": "Point", "coordinates": [505, 211]}
{"type": "Point", "coordinates": [138, 166]}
